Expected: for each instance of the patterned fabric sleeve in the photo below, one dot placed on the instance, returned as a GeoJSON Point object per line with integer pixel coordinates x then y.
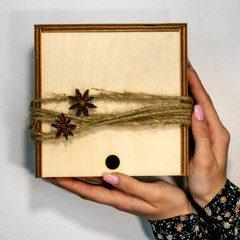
{"type": "Point", "coordinates": [223, 212]}
{"type": "Point", "coordinates": [221, 220]}
{"type": "Point", "coordinates": [183, 227]}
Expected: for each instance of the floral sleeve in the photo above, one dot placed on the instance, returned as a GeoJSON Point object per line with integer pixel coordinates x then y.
{"type": "Point", "coordinates": [183, 227]}
{"type": "Point", "coordinates": [221, 220]}
{"type": "Point", "coordinates": [223, 211]}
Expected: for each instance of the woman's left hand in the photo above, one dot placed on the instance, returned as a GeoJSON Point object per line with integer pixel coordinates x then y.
{"type": "Point", "coordinates": [154, 201]}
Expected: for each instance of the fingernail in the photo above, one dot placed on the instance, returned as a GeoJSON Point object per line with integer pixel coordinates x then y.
{"type": "Point", "coordinates": [198, 113]}
{"type": "Point", "coordinates": [190, 65]}
{"type": "Point", "coordinates": [46, 180]}
{"type": "Point", "coordinates": [112, 179]}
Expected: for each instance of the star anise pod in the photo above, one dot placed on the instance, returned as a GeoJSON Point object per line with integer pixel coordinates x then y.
{"type": "Point", "coordinates": [82, 102]}
{"type": "Point", "coordinates": [63, 126]}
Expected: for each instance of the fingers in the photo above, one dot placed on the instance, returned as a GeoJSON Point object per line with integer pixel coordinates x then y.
{"type": "Point", "coordinates": [172, 201]}
{"type": "Point", "coordinates": [218, 135]}
{"type": "Point", "coordinates": [127, 190]}
{"type": "Point", "coordinates": [158, 195]}
{"type": "Point", "coordinates": [132, 186]}
{"type": "Point", "coordinates": [128, 193]}
{"type": "Point", "coordinates": [83, 189]}
{"type": "Point", "coordinates": [201, 134]}
{"type": "Point", "coordinates": [100, 194]}
{"type": "Point", "coordinates": [202, 98]}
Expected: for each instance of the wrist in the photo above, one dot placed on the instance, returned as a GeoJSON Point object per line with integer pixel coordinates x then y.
{"type": "Point", "coordinates": [188, 209]}
{"type": "Point", "coordinates": [183, 209]}
{"type": "Point", "coordinates": [204, 199]}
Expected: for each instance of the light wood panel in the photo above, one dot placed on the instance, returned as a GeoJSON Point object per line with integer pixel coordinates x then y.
{"type": "Point", "coordinates": [150, 59]}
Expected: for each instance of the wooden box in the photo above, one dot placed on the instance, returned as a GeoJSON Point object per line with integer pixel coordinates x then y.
{"type": "Point", "coordinates": [149, 58]}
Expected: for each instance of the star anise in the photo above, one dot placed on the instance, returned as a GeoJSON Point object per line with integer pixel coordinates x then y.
{"type": "Point", "coordinates": [82, 102]}
{"type": "Point", "coordinates": [64, 127]}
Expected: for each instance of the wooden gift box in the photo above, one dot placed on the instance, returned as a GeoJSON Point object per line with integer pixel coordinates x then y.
{"type": "Point", "coordinates": [149, 58]}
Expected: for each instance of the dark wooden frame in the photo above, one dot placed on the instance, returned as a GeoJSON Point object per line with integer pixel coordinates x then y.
{"type": "Point", "coordinates": [182, 28]}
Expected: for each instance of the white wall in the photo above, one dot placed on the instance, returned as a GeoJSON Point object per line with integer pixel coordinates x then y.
{"type": "Point", "coordinates": [33, 209]}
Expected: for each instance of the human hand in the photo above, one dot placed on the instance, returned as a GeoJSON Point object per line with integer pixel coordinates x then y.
{"type": "Point", "coordinates": [154, 201]}
{"type": "Point", "coordinates": [207, 174]}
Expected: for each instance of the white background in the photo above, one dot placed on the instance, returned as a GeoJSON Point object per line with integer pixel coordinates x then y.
{"type": "Point", "coordinates": [33, 209]}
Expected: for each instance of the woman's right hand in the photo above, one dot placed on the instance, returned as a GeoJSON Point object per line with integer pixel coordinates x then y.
{"type": "Point", "coordinates": [208, 165]}
{"type": "Point", "coordinates": [153, 201]}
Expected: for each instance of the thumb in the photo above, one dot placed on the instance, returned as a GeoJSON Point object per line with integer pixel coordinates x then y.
{"type": "Point", "coordinates": [129, 185]}
{"type": "Point", "coordinates": [201, 134]}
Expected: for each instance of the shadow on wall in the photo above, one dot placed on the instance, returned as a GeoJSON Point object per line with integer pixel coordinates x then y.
{"type": "Point", "coordinates": [21, 36]}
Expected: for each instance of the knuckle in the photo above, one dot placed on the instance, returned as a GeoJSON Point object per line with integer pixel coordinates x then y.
{"type": "Point", "coordinates": [85, 194]}
{"type": "Point", "coordinates": [208, 164]}
{"type": "Point", "coordinates": [203, 132]}
{"type": "Point", "coordinates": [160, 189]}
{"type": "Point", "coordinates": [120, 205]}
{"type": "Point", "coordinates": [132, 188]}
{"type": "Point", "coordinates": [206, 99]}
{"type": "Point", "coordinates": [209, 99]}
{"type": "Point", "coordinates": [73, 185]}
{"type": "Point", "coordinates": [226, 136]}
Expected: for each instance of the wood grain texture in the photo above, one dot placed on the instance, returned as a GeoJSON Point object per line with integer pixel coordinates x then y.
{"type": "Point", "coordinates": [184, 87]}
{"type": "Point", "coordinates": [140, 58]}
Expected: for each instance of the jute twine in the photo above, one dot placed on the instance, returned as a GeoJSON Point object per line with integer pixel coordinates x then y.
{"type": "Point", "coordinates": [155, 110]}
